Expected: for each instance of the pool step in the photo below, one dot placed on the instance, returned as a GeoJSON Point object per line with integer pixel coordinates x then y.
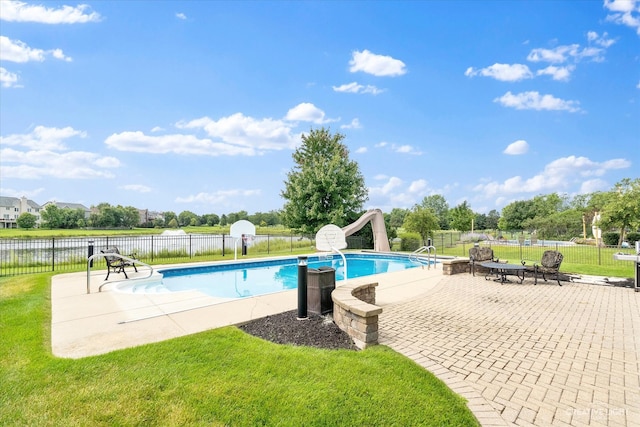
{"type": "Point", "coordinates": [151, 285]}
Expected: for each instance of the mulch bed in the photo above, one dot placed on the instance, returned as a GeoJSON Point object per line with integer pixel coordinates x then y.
{"type": "Point", "coordinates": [315, 331]}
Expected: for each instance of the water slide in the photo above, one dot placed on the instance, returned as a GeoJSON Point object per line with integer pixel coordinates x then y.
{"type": "Point", "coordinates": [380, 239]}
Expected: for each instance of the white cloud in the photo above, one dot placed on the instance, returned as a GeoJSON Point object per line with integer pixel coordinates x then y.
{"type": "Point", "coordinates": [47, 156]}
{"type": "Point", "coordinates": [43, 138]}
{"type": "Point", "coordinates": [516, 148]}
{"type": "Point", "coordinates": [361, 150]}
{"type": "Point", "coordinates": [392, 192]}
{"type": "Point", "coordinates": [138, 188]}
{"type": "Point", "coordinates": [18, 51]}
{"type": "Point", "coordinates": [307, 112]}
{"type": "Point", "coordinates": [403, 149]}
{"type": "Point", "coordinates": [220, 197]}
{"type": "Point", "coordinates": [29, 194]}
{"type": "Point", "coordinates": [557, 73]}
{"type": "Point", "coordinates": [502, 72]}
{"type": "Point", "coordinates": [243, 131]}
{"type": "Point", "coordinates": [181, 15]}
{"type": "Point", "coordinates": [593, 185]}
{"type": "Point", "coordinates": [354, 87]}
{"type": "Point", "coordinates": [557, 176]}
{"type": "Point", "coordinates": [355, 124]}
{"type": "Point", "coordinates": [177, 144]}
{"type": "Point", "coordinates": [378, 65]}
{"type": "Point", "coordinates": [17, 11]}
{"type": "Point", "coordinates": [602, 40]}
{"type": "Point", "coordinates": [58, 54]}
{"type": "Point", "coordinates": [561, 54]}
{"type": "Point", "coordinates": [157, 129]}
{"type": "Point", "coordinates": [417, 186]}
{"type": "Point", "coordinates": [387, 187]}
{"type": "Point", "coordinates": [624, 12]}
{"type": "Point", "coordinates": [38, 164]}
{"type": "Point", "coordinates": [535, 101]}
{"type": "Point", "coordinates": [8, 79]}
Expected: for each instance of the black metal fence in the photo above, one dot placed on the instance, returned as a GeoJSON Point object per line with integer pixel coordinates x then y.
{"type": "Point", "coordinates": [25, 256]}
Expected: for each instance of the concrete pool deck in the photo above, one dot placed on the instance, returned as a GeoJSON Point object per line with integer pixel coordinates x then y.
{"type": "Point", "coordinates": [520, 354]}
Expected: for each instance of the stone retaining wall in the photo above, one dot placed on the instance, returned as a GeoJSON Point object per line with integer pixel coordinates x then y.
{"type": "Point", "coordinates": [455, 266]}
{"type": "Point", "coordinates": [355, 312]}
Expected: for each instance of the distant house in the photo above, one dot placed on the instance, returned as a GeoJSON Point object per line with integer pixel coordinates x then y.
{"type": "Point", "coordinates": [12, 207]}
{"type": "Point", "coordinates": [147, 216]}
{"type": "Point", "coordinates": [73, 206]}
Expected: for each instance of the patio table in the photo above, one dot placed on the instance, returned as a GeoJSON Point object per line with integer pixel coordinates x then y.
{"type": "Point", "coordinates": [502, 270]}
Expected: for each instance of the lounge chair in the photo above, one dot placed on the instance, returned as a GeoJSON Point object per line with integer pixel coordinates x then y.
{"type": "Point", "coordinates": [117, 264]}
{"type": "Point", "coordinates": [549, 264]}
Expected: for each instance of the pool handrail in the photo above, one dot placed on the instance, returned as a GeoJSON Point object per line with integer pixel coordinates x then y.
{"type": "Point", "coordinates": [344, 259]}
{"type": "Point", "coordinates": [415, 256]}
{"type": "Point", "coordinates": [124, 257]}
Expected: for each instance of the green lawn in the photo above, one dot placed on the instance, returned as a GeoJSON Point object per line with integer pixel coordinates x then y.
{"type": "Point", "coordinates": [216, 378]}
{"type": "Point", "coordinates": [578, 259]}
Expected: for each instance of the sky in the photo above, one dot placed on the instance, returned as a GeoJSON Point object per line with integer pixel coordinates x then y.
{"type": "Point", "coordinates": [199, 105]}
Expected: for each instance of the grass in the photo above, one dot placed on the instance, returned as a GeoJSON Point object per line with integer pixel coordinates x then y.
{"type": "Point", "coordinates": [216, 378]}
{"type": "Point", "coordinates": [577, 259]}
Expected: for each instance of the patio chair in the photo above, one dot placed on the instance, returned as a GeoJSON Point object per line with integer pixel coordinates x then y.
{"type": "Point", "coordinates": [550, 264]}
{"type": "Point", "coordinates": [478, 255]}
{"type": "Point", "coordinates": [117, 264]}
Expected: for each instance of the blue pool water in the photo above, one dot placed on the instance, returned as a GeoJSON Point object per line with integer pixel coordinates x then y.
{"type": "Point", "coordinates": [244, 279]}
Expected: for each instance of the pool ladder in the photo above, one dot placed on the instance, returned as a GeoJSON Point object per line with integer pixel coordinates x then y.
{"type": "Point", "coordinates": [416, 256]}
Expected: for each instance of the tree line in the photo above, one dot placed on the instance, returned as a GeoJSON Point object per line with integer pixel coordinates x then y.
{"type": "Point", "coordinates": [326, 187]}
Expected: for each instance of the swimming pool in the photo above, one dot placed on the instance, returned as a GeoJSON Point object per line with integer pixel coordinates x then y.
{"type": "Point", "coordinates": [250, 278]}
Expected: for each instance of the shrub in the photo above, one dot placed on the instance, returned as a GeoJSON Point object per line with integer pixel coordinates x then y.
{"type": "Point", "coordinates": [410, 242]}
{"type": "Point", "coordinates": [633, 237]}
{"type": "Point", "coordinates": [611, 238]}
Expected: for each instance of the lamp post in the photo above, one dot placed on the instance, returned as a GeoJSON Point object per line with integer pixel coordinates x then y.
{"type": "Point", "coordinates": [302, 287]}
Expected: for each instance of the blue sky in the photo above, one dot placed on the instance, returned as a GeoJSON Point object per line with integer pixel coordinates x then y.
{"type": "Point", "coordinates": [198, 106]}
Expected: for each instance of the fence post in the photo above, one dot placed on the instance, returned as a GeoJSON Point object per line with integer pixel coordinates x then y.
{"type": "Point", "coordinates": [152, 247]}
{"type": "Point", "coordinates": [223, 240]}
{"type": "Point", "coordinates": [190, 247]}
{"type": "Point", "coordinates": [599, 253]}
{"type": "Point", "coordinates": [53, 254]}
{"type": "Point", "coordinates": [268, 244]}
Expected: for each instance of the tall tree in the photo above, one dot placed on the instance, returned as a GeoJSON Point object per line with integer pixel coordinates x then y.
{"type": "Point", "coordinates": [439, 207]}
{"type": "Point", "coordinates": [186, 218]}
{"type": "Point", "coordinates": [51, 217]}
{"type": "Point", "coordinates": [461, 217]}
{"type": "Point", "coordinates": [515, 214]}
{"type": "Point", "coordinates": [396, 217]}
{"type": "Point", "coordinates": [422, 221]}
{"type": "Point", "coordinates": [324, 186]}
{"type": "Point", "coordinates": [493, 217]}
{"type": "Point", "coordinates": [622, 207]}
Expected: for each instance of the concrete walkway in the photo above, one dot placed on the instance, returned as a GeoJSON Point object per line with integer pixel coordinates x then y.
{"type": "Point", "coordinates": [537, 355]}
{"type": "Point", "coordinates": [520, 354]}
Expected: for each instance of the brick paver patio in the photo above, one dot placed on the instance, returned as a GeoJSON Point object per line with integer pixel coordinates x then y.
{"type": "Point", "coordinates": [527, 355]}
